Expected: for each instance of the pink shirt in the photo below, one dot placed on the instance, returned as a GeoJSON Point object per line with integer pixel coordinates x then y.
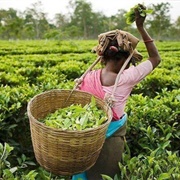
{"type": "Point", "coordinates": [128, 79]}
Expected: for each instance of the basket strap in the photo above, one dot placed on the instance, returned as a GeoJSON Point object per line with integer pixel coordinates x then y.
{"type": "Point", "coordinates": [121, 70]}
{"type": "Point", "coordinates": [79, 80]}
{"type": "Point", "coordinates": [92, 65]}
{"type": "Point", "coordinates": [110, 99]}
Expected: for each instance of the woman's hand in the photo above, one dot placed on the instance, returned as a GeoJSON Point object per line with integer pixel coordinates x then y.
{"type": "Point", "coordinates": [150, 46]}
{"type": "Point", "coordinates": [138, 18]}
{"type": "Point", "coordinates": [78, 82]}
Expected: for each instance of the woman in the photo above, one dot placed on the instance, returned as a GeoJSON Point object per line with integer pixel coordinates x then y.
{"type": "Point", "coordinates": [117, 48]}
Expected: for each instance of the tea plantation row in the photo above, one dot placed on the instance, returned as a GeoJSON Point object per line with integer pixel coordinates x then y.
{"type": "Point", "coordinates": [28, 68]}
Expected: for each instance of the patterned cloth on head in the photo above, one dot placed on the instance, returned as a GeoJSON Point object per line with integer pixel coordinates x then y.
{"type": "Point", "coordinates": [126, 42]}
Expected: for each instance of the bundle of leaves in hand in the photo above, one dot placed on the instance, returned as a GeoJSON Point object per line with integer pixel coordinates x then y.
{"type": "Point", "coordinates": [76, 117]}
{"type": "Point", "coordinates": [130, 15]}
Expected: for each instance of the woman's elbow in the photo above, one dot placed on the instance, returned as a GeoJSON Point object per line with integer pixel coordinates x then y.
{"type": "Point", "coordinates": [155, 61]}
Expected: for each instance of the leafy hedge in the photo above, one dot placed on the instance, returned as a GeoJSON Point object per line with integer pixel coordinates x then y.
{"type": "Point", "coordinates": [28, 68]}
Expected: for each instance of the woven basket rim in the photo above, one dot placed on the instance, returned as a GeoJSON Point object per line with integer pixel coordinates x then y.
{"type": "Point", "coordinates": [61, 130]}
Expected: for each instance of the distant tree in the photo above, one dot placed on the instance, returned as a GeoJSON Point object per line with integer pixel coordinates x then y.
{"type": "Point", "coordinates": [99, 24]}
{"type": "Point", "coordinates": [11, 24]}
{"type": "Point", "coordinates": [177, 23]}
{"type": "Point", "coordinates": [175, 30]}
{"type": "Point", "coordinates": [82, 16]}
{"type": "Point", "coordinates": [58, 31]}
{"type": "Point", "coordinates": [81, 22]}
{"type": "Point", "coordinates": [36, 20]}
{"type": "Point", "coordinates": [160, 20]}
{"type": "Point", "coordinates": [120, 20]}
{"type": "Point", "coordinates": [61, 20]}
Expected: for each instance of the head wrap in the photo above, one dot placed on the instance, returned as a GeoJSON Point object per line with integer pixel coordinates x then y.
{"type": "Point", "coordinates": [126, 42]}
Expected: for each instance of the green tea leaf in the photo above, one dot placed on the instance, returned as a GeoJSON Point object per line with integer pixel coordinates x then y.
{"type": "Point", "coordinates": [105, 177]}
{"type": "Point", "coordinates": [76, 117]}
{"type": "Point", "coordinates": [164, 176]}
{"type": "Point", "coordinates": [130, 15]}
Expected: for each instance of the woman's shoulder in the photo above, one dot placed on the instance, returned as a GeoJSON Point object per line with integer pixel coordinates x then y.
{"type": "Point", "coordinates": [143, 66]}
{"type": "Point", "coordinates": [93, 73]}
{"type": "Point", "coordinates": [135, 74]}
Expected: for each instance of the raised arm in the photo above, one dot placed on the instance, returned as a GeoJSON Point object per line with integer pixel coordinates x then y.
{"type": "Point", "coordinates": [154, 56]}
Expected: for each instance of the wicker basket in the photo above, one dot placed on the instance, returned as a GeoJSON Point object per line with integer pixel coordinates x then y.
{"type": "Point", "coordinates": [64, 152]}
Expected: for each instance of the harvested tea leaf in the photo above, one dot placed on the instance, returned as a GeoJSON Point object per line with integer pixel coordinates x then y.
{"type": "Point", "coordinates": [130, 15]}
{"type": "Point", "coordinates": [76, 117]}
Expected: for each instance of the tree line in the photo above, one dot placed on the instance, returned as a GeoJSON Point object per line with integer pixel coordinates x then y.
{"type": "Point", "coordinates": [81, 22]}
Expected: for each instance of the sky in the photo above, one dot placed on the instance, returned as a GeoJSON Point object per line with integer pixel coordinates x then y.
{"type": "Point", "coordinates": [108, 7]}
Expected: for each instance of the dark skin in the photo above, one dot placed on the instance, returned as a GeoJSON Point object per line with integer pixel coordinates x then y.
{"type": "Point", "coordinates": [111, 69]}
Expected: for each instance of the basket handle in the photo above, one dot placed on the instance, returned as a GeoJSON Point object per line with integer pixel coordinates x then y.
{"type": "Point", "coordinates": [79, 80]}
{"type": "Point", "coordinates": [108, 98]}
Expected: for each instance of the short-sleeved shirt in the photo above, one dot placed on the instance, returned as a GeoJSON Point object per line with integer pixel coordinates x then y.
{"type": "Point", "coordinates": [128, 79]}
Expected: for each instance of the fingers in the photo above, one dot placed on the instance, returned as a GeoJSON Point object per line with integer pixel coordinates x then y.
{"type": "Point", "coordinates": [142, 6]}
{"type": "Point", "coordinates": [139, 10]}
{"type": "Point", "coordinates": [140, 14]}
{"type": "Point", "coordinates": [78, 82]}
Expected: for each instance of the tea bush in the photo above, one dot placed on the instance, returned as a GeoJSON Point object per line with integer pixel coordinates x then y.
{"type": "Point", "coordinates": [28, 68]}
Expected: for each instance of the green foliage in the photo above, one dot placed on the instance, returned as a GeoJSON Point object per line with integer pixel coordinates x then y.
{"type": "Point", "coordinates": [21, 171]}
{"type": "Point", "coordinates": [6, 171]}
{"type": "Point", "coordinates": [76, 117]}
{"type": "Point", "coordinates": [28, 68]}
{"type": "Point", "coordinates": [152, 122]}
{"type": "Point", "coordinates": [4, 153]}
{"type": "Point", "coordinates": [81, 22]}
{"type": "Point", "coordinates": [130, 15]}
{"type": "Point", "coordinates": [159, 21]}
{"type": "Point", "coordinates": [72, 69]}
{"type": "Point", "coordinates": [156, 164]}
